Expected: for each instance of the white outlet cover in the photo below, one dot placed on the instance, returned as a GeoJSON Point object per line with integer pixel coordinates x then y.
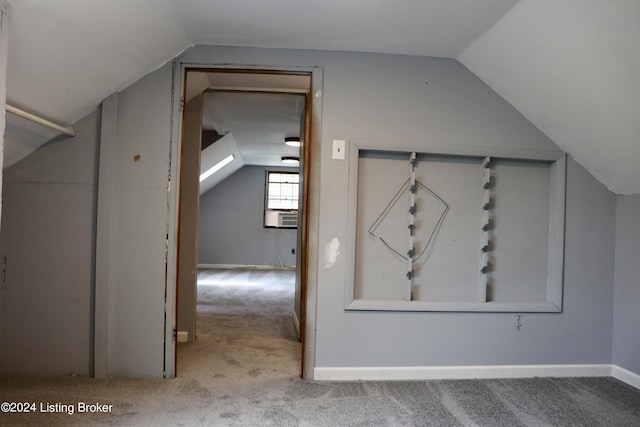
{"type": "Point", "coordinates": [338, 149]}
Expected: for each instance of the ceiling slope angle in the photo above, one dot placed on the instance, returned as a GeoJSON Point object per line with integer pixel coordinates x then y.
{"type": "Point", "coordinates": [259, 122]}
{"type": "Point", "coordinates": [219, 161]}
{"type": "Point", "coordinates": [64, 58]}
{"type": "Point", "coordinates": [571, 68]}
{"type": "Point", "coordinates": [22, 137]}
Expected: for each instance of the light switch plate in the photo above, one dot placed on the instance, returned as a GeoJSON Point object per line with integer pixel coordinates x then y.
{"type": "Point", "coordinates": [338, 149]}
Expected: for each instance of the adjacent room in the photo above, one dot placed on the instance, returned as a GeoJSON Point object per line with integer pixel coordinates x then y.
{"type": "Point", "coordinates": [239, 220]}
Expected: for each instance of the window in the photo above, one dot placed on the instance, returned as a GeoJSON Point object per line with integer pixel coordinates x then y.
{"type": "Point", "coordinates": [282, 190]}
{"type": "Point", "coordinates": [281, 199]}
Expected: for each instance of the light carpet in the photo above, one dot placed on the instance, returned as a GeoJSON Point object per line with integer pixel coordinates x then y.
{"type": "Point", "coordinates": [244, 371]}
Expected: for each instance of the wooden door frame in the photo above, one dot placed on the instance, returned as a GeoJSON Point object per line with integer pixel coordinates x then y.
{"type": "Point", "coordinates": [309, 228]}
{"type": "Point", "coordinates": [4, 44]}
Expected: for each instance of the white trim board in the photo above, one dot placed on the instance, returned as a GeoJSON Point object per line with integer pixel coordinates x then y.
{"type": "Point", "coordinates": [625, 376]}
{"type": "Point", "coordinates": [248, 267]}
{"type": "Point", "coordinates": [416, 373]}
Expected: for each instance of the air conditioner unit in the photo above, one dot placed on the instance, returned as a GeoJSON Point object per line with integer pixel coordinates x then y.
{"type": "Point", "coordinates": [288, 219]}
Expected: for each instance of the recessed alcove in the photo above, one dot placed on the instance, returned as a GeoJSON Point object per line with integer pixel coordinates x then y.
{"type": "Point", "coordinates": [436, 228]}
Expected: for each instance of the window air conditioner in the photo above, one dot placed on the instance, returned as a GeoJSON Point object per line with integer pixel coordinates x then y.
{"type": "Point", "coordinates": [288, 219]}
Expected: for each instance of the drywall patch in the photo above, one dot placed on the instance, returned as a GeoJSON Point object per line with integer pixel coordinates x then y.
{"type": "Point", "coordinates": [331, 252]}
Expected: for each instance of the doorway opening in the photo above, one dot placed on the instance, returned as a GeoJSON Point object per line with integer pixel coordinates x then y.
{"type": "Point", "coordinates": [242, 218]}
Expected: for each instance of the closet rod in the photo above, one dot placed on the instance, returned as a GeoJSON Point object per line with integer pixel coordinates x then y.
{"type": "Point", "coordinates": [67, 130]}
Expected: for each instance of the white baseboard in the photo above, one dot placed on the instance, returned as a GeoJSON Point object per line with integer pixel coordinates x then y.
{"type": "Point", "coordinates": [625, 376]}
{"type": "Point", "coordinates": [459, 372]}
{"type": "Point", "coordinates": [248, 267]}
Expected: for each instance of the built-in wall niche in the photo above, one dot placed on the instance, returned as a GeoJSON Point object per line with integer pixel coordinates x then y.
{"type": "Point", "coordinates": [467, 229]}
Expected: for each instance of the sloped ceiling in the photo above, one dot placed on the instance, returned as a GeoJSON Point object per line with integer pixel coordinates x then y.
{"type": "Point", "coordinates": [569, 66]}
{"type": "Point", "coordinates": [66, 56]}
{"type": "Point", "coordinates": [573, 69]}
{"type": "Point", "coordinates": [259, 122]}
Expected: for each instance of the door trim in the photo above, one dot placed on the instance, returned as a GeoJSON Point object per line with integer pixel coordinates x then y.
{"type": "Point", "coordinates": [311, 171]}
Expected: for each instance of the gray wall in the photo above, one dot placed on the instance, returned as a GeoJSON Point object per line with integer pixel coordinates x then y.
{"type": "Point", "coordinates": [626, 334]}
{"type": "Point", "coordinates": [48, 223]}
{"type": "Point", "coordinates": [131, 277]}
{"type": "Point", "coordinates": [387, 97]}
{"type": "Point", "coordinates": [49, 213]}
{"type": "Point", "coordinates": [231, 223]}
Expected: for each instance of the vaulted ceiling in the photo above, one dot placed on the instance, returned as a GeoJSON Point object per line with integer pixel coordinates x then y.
{"type": "Point", "coordinates": [570, 66]}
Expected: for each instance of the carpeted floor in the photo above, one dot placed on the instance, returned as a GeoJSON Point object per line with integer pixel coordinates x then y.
{"type": "Point", "coordinates": [244, 371]}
